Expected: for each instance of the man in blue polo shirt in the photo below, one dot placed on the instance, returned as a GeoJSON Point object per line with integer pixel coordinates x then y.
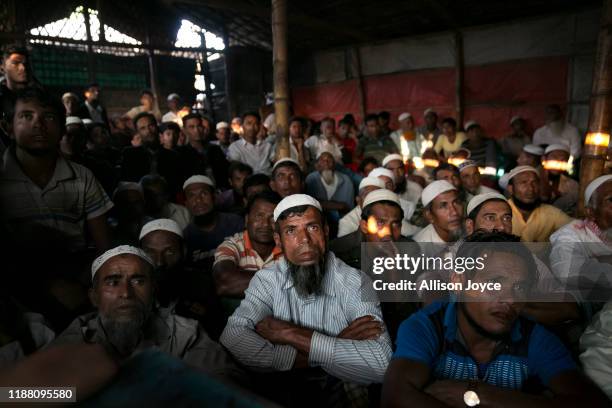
{"type": "Point", "coordinates": [477, 350]}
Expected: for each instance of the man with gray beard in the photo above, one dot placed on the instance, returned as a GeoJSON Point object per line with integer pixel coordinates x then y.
{"type": "Point", "coordinates": [308, 317]}
{"type": "Point", "coordinates": [332, 188]}
{"type": "Point", "coordinates": [127, 321]}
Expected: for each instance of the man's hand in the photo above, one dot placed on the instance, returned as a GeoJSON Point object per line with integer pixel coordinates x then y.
{"type": "Point", "coordinates": [449, 392]}
{"type": "Point", "coordinates": [274, 330]}
{"type": "Point", "coordinates": [363, 328]}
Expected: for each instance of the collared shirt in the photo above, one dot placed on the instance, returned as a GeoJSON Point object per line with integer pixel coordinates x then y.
{"type": "Point", "coordinates": [413, 192]}
{"type": "Point", "coordinates": [172, 334]}
{"type": "Point", "coordinates": [272, 293]}
{"type": "Point", "coordinates": [258, 155]}
{"type": "Point", "coordinates": [377, 147]}
{"type": "Point", "coordinates": [58, 211]}
{"type": "Point", "coordinates": [239, 250]}
{"type": "Point", "coordinates": [542, 222]}
{"type": "Point", "coordinates": [318, 144]}
{"type": "Point", "coordinates": [431, 336]}
{"type": "Point", "coordinates": [569, 136]}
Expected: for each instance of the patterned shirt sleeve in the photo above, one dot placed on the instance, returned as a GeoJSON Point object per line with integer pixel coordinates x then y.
{"type": "Point", "coordinates": [228, 251]}
{"type": "Point", "coordinates": [359, 361]}
{"type": "Point", "coordinates": [240, 337]}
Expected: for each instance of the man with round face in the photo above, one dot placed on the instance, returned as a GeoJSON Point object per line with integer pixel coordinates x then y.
{"type": "Point", "coordinates": [333, 189]}
{"type": "Point", "coordinates": [443, 209]}
{"type": "Point", "coordinates": [287, 178]}
{"type": "Point", "coordinates": [489, 212]}
{"type": "Point", "coordinates": [127, 320]}
{"type": "Point", "coordinates": [289, 305]}
{"type": "Point", "coordinates": [531, 220]}
{"type": "Point", "coordinates": [240, 256]}
{"type": "Point", "coordinates": [480, 323]}
{"type": "Point", "coordinates": [558, 188]}
{"type": "Point", "coordinates": [208, 227]}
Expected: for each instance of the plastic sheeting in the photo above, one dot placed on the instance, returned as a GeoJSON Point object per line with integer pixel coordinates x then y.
{"type": "Point", "coordinates": [493, 93]}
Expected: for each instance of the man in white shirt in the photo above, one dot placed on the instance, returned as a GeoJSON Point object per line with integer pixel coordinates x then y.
{"type": "Point", "coordinates": [443, 209]}
{"type": "Point", "coordinates": [326, 141]}
{"type": "Point", "coordinates": [558, 131]}
{"type": "Point", "coordinates": [406, 138]}
{"type": "Point", "coordinates": [174, 105]}
{"type": "Point", "coordinates": [248, 150]}
{"type": "Point", "coordinates": [470, 180]}
{"type": "Point", "coordinates": [407, 189]}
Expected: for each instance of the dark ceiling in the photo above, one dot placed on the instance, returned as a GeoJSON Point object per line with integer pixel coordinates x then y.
{"type": "Point", "coordinates": [313, 24]}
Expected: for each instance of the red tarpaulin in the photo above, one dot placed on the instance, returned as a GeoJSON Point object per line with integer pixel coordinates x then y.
{"type": "Point", "coordinates": [493, 93]}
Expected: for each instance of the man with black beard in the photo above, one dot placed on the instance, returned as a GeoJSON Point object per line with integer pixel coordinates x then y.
{"type": "Point", "coordinates": [127, 320]}
{"type": "Point", "coordinates": [309, 317]}
{"type": "Point", "coordinates": [531, 220]}
{"type": "Point", "coordinates": [208, 227]}
{"type": "Point", "coordinates": [477, 350]}
{"type": "Point", "coordinates": [187, 291]}
{"type": "Point", "coordinates": [407, 189]}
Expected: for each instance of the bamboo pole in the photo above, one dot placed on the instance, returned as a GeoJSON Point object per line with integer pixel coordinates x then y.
{"type": "Point", "coordinates": [91, 70]}
{"type": "Point", "coordinates": [360, 91]}
{"type": "Point", "coordinates": [600, 116]}
{"type": "Point", "coordinates": [281, 77]}
{"type": "Point", "coordinates": [459, 78]}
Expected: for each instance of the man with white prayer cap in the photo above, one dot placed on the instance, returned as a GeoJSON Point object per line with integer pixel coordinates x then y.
{"type": "Point", "coordinates": [469, 173]}
{"type": "Point", "coordinates": [208, 227]}
{"type": "Point", "coordinates": [127, 320]}
{"type": "Point", "coordinates": [443, 209]}
{"type": "Point", "coordinates": [532, 220]}
{"type": "Point", "coordinates": [530, 155]}
{"type": "Point", "coordinates": [332, 188]}
{"type": "Point", "coordinates": [224, 137]}
{"type": "Point", "coordinates": [558, 188]}
{"type": "Point", "coordinates": [430, 131]}
{"type": "Point", "coordinates": [188, 291]}
{"type": "Point", "coordinates": [582, 248]}
{"type": "Point", "coordinates": [407, 189]}
{"type": "Point", "coordinates": [388, 176]}
{"type": "Point", "coordinates": [309, 312]}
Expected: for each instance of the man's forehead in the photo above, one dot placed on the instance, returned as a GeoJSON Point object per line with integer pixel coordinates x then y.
{"type": "Point", "coordinates": [385, 210]}
{"type": "Point", "coordinates": [525, 176]}
{"type": "Point", "coordinates": [286, 169]}
{"type": "Point", "coordinates": [504, 263]}
{"type": "Point", "coordinates": [160, 237]}
{"type": "Point", "coordinates": [195, 188]}
{"type": "Point", "coordinates": [125, 263]}
{"type": "Point", "coordinates": [31, 105]}
{"type": "Point", "coordinates": [394, 164]}
{"type": "Point", "coordinates": [446, 196]}
{"type": "Point", "coordinates": [310, 215]}
{"type": "Point", "coordinates": [17, 57]}
{"type": "Point", "coordinates": [495, 206]}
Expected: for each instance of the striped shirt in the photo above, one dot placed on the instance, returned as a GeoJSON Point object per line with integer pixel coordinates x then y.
{"type": "Point", "coordinates": [34, 215]}
{"type": "Point", "coordinates": [239, 250]}
{"type": "Point", "coordinates": [271, 293]}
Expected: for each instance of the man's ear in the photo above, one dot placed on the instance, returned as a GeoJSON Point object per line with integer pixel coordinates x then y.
{"type": "Point", "coordinates": [469, 226]}
{"type": "Point", "coordinates": [428, 216]}
{"type": "Point", "coordinates": [363, 227]}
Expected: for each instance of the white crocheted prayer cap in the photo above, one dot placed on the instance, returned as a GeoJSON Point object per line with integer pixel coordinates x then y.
{"type": "Point", "coordinates": [120, 250]}
{"type": "Point", "coordinates": [434, 189]}
{"type": "Point", "coordinates": [295, 200]}
{"type": "Point", "coordinates": [161, 224]}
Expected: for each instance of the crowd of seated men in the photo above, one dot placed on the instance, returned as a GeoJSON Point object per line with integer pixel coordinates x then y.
{"type": "Point", "coordinates": [189, 252]}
